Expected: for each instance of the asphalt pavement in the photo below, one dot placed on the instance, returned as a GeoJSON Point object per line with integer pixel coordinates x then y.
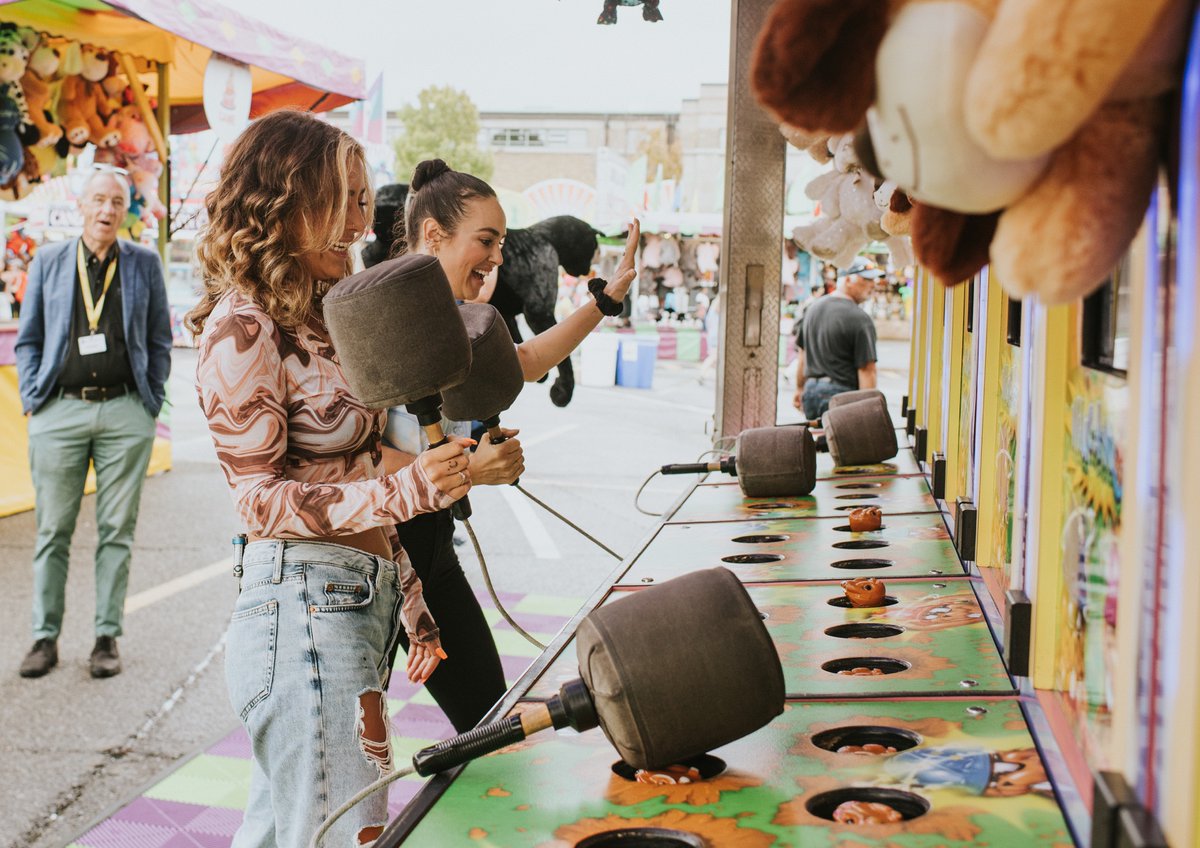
{"type": "Point", "coordinates": [74, 749]}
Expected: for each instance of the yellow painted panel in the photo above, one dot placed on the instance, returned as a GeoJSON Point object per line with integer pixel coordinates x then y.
{"type": "Point", "coordinates": [1046, 487]}
{"type": "Point", "coordinates": [951, 445]}
{"type": "Point", "coordinates": [993, 318]}
{"type": "Point", "coordinates": [933, 388]}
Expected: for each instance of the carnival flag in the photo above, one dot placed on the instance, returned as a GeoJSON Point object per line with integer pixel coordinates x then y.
{"type": "Point", "coordinates": [375, 113]}
{"type": "Point", "coordinates": [356, 119]}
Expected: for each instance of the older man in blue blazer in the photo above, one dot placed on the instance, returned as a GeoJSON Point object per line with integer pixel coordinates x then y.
{"type": "Point", "coordinates": [93, 355]}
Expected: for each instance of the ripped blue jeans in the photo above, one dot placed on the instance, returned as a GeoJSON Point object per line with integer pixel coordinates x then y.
{"type": "Point", "coordinates": [306, 667]}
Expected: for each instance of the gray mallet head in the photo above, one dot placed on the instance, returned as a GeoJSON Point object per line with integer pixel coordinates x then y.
{"type": "Point", "coordinates": [860, 433]}
{"type": "Point", "coordinates": [397, 331]}
{"type": "Point", "coordinates": [843, 398]}
{"type": "Point", "coordinates": [663, 689]}
{"type": "Point", "coordinates": [776, 461]}
{"type": "Point", "coordinates": [496, 377]}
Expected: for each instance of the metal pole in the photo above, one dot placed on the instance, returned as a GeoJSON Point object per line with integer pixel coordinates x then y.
{"type": "Point", "coordinates": [164, 184]}
{"type": "Point", "coordinates": [751, 242]}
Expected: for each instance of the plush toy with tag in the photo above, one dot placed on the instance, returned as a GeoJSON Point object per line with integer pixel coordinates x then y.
{"type": "Point", "coordinates": [16, 129]}
{"type": "Point", "coordinates": [650, 10]}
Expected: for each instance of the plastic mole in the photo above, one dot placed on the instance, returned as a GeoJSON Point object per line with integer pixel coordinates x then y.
{"type": "Point", "coordinates": [866, 518]}
{"type": "Point", "coordinates": [869, 748]}
{"type": "Point", "coordinates": [669, 775]}
{"type": "Point", "coordinates": [865, 812]}
{"type": "Point", "coordinates": [864, 591]}
{"type": "Point", "coordinates": [861, 671]}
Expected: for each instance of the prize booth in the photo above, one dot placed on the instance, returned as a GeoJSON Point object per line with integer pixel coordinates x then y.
{"type": "Point", "coordinates": [111, 81]}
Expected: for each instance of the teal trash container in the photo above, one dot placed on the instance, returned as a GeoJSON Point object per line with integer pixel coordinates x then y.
{"type": "Point", "coordinates": [635, 362]}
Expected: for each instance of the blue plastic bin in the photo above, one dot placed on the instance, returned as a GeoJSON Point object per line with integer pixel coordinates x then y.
{"type": "Point", "coordinates": [635, 362]}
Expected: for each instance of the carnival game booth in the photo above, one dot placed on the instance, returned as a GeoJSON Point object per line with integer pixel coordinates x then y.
{"type": "Point", "coordinates": [1028, 676]}
{"type": "Point", "coordinates": [110, 82]}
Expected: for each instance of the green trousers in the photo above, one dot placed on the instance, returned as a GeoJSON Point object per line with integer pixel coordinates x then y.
{"type": "Point", "coordinates": [116, 436]}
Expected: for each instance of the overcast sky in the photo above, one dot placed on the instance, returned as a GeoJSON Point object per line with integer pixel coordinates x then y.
{"type": "Point", "coordinates": [521, 55]}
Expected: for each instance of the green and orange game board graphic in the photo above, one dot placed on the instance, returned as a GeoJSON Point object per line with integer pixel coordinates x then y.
{"type": "Point", "coordinates": [904, 462]}
{"type": "Point", "coordinates": [930, 638]}
{"type": "Point", "coordinates": [830, 499]}
{"type": "Point", "coordinates": [799, 549]}
{"type": "Point", "coordinates": [965, 771]}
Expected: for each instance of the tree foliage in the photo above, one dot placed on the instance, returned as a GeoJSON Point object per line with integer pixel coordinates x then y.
{"type": "Point", "coordinates": [444, 124]}
{"type": "Point", "coordinates": [657, 152]}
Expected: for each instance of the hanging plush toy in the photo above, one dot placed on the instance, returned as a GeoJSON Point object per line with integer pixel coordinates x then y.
{"type": "Point", "coordinates": [849, 217]}
{"type": "Point", "coordinates": [1037, 121]}
{"type": "Point", "coordinates": [41, 92]}
{"type": "Point", "coordinates": [89, 100]}
{"type": "Point", "coordinates": [649, 10]}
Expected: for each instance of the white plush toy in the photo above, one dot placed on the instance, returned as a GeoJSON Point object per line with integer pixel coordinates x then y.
{"type": "Point", "coordinates": [898, 243]}
{"type": "Point", "coordinates": [849, 218]}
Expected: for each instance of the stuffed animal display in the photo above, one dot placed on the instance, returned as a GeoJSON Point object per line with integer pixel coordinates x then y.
{"type": "Point", "coordinates": [1027, 133]}
{"type": "Point", "coordinates": [55, 99]}
{"type": "Point", "coordinates": [650, 10]}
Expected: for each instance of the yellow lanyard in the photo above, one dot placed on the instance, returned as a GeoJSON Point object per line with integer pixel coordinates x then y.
{"type": "Point", "coordinates": [93, 310]}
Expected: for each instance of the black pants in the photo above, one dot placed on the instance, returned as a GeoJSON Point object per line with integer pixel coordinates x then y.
{"type": "Point", "coordinates": [467, 684]}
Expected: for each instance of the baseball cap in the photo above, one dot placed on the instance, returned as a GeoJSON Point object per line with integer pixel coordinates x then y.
{"type": "Point", "coordinates": [862, 269]}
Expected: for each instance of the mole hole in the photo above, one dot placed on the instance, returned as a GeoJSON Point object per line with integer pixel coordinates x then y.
{"type": "Point", "coordinates": [843, 601]}
{"type": "Point", "coordinates": [761, 539]}
{"type": "Point", "coordinates": [861, 544]}
{"type": "Point", "coordinates": [775, 505]}
{"type": "Point", "coordinates": [908, 805]}
{"type": "Point", "coordinates": [863, 564]}
{"type": "Point", "coordinates": [752, 559]}
{"type": "Point", "coordinates": [703, 767]}
{"type": "Point", "coordinates": [858, 497]}
{"type": "Point", "coordinates": [860, 735]}
{"type": "Point", "coordinates": [643, 837]}
{"type": "Point", "coordinates": [863, 630]}
{"type": "Point", "coordinates": [875, 666]}
{"type": "Point", "coordinates": [859, 486]}
{"type": "Point", "coordinates": [845, 528]}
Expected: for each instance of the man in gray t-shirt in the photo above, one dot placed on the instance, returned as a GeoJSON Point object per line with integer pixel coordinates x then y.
{"type": "Point", "coordinates": [836, 343]}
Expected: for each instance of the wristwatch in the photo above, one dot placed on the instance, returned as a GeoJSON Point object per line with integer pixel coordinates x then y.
{"type": "Point", "coordinates": [606, 304]}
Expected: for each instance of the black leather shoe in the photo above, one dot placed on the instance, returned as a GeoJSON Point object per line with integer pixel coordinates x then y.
{"type": "Point", "coordinates": [104, 661]}
{"type": "Point", "coordinates": [42, 657]}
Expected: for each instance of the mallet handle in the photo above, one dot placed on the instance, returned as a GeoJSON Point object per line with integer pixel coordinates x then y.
{"type": "Point", "coordinates": [467, 746]}
{"type": "Point", "coordinates": [461, 508]}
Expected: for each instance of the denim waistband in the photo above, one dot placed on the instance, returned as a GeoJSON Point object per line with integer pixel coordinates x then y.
{"type": "Point", "coordinates": [291, 556]}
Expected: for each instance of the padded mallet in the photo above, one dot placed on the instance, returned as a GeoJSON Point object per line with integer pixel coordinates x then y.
{"type": "Point", "coordinates": [860, 432]}
{"type": "Point", "coordinates": [767, 461]}
{"type": "Point", "coordinates": [496, 378]}
{"type": "Point", "coordinates": [644, 672]}
{"type": "Point", "coordinates": [401, 340]}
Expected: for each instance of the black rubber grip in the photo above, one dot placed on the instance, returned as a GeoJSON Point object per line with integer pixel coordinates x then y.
{"type": "Point", "coordinates": [461, 508]}
{"type": "Point", "coordinates": [467, 746]}
{"type": "Point", "coordinates": [686, 468]}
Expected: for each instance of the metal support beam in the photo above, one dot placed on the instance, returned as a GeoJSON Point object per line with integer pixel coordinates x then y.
{"type": "Point", "coordinates": [751, 242]}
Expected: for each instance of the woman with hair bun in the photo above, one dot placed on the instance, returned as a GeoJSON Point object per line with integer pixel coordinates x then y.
{"type": "Point", "coordinates": [457, 218]}
{"type": "Point", "coordinates": [325, 588]}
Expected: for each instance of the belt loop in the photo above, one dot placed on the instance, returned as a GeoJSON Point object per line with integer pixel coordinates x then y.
{"type": "Point", "coordinates": [277, 576]}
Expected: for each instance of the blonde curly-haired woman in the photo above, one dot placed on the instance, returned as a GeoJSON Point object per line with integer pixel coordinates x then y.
{"type": "Point", "coordinates": [325, 588]}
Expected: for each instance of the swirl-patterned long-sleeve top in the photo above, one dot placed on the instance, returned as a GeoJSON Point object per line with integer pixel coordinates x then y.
{"type": "Point", "coordinates": [303, 457]}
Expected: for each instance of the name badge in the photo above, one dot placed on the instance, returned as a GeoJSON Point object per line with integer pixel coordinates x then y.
{"type": "Point", "coordinates": [95, 343]}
